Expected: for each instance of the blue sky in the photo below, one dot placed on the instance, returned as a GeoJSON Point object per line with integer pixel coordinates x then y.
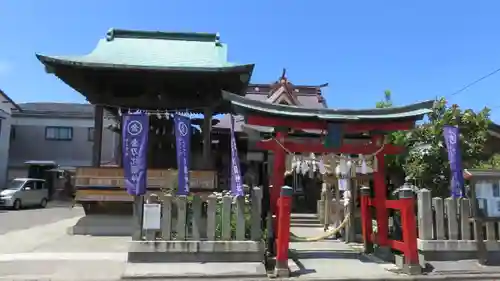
{"type": "Point", "coordinates": [417, 49]}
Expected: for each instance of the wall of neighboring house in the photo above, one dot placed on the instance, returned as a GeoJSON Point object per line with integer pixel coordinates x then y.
{"type": "Point", "coordinates": [5, 125]}
{"type": "Point", "coordinates": [67, 141]}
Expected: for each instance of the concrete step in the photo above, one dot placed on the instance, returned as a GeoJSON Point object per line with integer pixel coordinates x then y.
{"type": "Point", "coordinates": [305, 221]}
{"type": "Point", "coordinates": [306, 225]}
{"type": "Point", "coordinates": [303, 216]}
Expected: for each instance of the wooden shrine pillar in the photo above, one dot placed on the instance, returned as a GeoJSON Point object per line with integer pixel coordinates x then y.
{"type": "Point", "coordinates": [98, 127]}
{"type": "Point", "coordinates": [119, 149]}
{"type": "Point", "coordinates": [207, 138]}
{"type": "Point", "coordinates": [380, 189]}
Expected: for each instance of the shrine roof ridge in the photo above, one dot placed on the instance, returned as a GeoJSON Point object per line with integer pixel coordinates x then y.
{"type": "Point", "coordinates": [244, 106]}
{"type": "Point", "coordinates": [143, 34]}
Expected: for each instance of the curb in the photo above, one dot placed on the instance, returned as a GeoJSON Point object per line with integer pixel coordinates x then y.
{"type": "Point", "coordinates": [256, 277]}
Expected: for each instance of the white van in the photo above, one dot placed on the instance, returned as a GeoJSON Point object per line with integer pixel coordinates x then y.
{"type": "Point", "coordinates": [24, 192]}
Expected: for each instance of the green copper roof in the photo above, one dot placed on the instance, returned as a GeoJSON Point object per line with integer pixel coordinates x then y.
{"type": "Point", "coordinates": [246, 106]}
{"type": "Point", "coordinates": [154, 51]}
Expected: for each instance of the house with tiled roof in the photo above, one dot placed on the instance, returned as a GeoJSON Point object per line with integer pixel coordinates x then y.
{"type": "Point", "coordinates": [7, 106]}
{"type": "Point", "coordinates": [59, 132]}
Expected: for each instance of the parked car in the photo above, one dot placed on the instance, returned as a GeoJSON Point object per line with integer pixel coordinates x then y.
{"type": "Point", "coordinates": [24, 192]}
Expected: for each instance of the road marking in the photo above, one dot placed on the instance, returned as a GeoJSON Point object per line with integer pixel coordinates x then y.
{"type": "Point", "coordinates": [95, 256]}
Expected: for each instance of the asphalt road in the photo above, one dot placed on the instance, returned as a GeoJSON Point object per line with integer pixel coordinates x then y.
{"type": "Point", "coordinates": [25, 218]}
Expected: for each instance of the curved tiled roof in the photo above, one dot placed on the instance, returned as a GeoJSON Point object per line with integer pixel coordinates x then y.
{"type": "Point", "coordinates": [244, 105]}
{"type": "Point", "coordinates": [154, 50]}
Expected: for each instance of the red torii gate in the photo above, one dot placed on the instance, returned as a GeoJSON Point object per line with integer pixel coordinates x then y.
{"type": "Point", "coordinates": [376, 122]}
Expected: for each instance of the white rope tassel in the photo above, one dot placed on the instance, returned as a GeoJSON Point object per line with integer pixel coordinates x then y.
{"type": "Point", "coordinates": [298, 165]}
{"type": "Point", "coordinates": [352, 168]}
{"type": "Point", "coordinates": [322, 169]}
{"type": "Point", "coordinates": [294, 163]}
{"type": "Point", "coordinates": [304, 168]}
{"type": "Point", "coordinates": [343, 166]}
{"type": "Point", "coordinates": [364, 168]}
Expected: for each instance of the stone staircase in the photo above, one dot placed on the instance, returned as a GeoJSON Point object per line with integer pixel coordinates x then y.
{"type": "Point", "coordinates": [304, 220]}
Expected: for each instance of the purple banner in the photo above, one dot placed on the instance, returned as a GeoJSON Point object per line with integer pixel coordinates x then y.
{"type": "Point", "coordinates": [183, 145]}
{"type": "Point", "coordinates": [135, 144]}
{"type": "Point", "coordinates": [236, 184]}
{"type": "Point", "coordinates": [452, 140]}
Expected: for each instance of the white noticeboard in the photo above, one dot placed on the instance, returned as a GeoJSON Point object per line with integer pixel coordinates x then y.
{"type": "Point", "coordinates": [151, 216]}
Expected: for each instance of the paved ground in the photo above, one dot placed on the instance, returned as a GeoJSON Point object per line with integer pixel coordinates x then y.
{"type": "Point", "coordinates": [40, 249]}
{"type": "Point", "coordinates": [11, 220]}
{"type": "Point", "coordinates": [332, 259]}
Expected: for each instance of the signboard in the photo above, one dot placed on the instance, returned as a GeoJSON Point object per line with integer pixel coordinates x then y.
{"type": "Point", "coordinates": [157, 178]}
{"type": "Point", "coordinates": [151, 216]}
{"type": "Point", "coordinates": [488, 198]}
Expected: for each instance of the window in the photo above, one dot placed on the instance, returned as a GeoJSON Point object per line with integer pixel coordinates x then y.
{"type": "Point", "coordinates": [58, 133]}
{"type": "Point", "coordinates": [29, 185]}
{"type": "Point", "coordinates": [39, 185]}
{"type": "Point", "coordinates": [90, 134]}
{"type": "Point", "coordinates": [12, 132]}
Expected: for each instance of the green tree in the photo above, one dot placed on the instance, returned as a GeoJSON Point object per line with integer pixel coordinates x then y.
{"type": "Point", "coordinates": [426, 159]}
{"type": "Point", "coordinates": [394, 163]}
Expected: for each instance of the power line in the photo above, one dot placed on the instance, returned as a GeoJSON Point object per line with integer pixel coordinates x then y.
{"type": "Point", "coordinates": [475, 82]}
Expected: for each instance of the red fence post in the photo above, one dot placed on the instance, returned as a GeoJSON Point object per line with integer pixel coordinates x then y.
{"type": "Point", "coordinates": [409, 227]}
{"type": "Point", "coordinates": [366, 219]}
{"type": "Point", "coordinates": [285, 206]}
